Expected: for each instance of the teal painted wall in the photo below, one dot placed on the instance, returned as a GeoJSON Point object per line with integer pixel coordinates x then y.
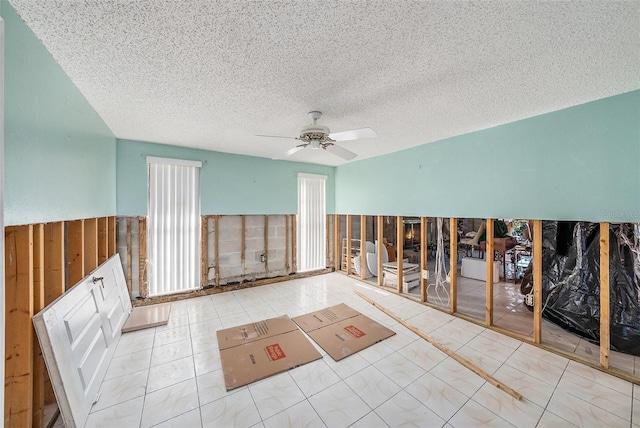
{"type": "Point", "coordinates": [580, 163]}
{"type": "Point", "coordinates": [229, 184]}
{"type": "Point", "coordinates": [59, 154]}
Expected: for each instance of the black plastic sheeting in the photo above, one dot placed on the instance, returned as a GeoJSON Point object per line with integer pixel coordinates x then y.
{"type": "Point", "coordinates": [571, 281]}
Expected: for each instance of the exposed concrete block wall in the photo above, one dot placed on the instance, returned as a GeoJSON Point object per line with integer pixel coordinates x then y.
{"type": "Point", "coordinates": [230, 247]}
{"type": "Point", "coordinates": [260, 260]}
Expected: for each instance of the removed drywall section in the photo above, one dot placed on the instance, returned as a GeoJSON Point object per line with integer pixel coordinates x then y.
{"type": "Point", "coordinates": [129, 252]}
{"type": "Point", "coordinates": [231, 184]}
{"type": "Point", "coordinates": [232, 256]}
{"type": "Point", "coordinates": [573, 164]}
{"type": "Point", "coordinates": [60, 157]}
{"type": "Point", "coordinates": [253, 259]}
{"type": "Point", "coordinates": [230, 247]}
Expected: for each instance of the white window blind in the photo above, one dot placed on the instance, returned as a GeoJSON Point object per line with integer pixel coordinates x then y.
{"type": "Point", "coordinates": [174, 225]}
{"type": "Point", "coordinates": [311, 222]}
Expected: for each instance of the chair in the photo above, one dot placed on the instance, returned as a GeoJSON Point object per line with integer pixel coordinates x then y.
{"type": "Point", "coordinates": [471, 243]}
{"type": "Point", "coordinates": [368, 249]}
{"type": "Point", "coordinates": [372, 260]}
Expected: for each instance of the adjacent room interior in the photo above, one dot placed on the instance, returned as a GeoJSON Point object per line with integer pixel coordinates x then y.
{"type": "Point", "coordinates": [449, 174]}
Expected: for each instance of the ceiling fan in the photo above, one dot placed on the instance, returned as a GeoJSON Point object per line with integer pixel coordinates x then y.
{"type": "Point", "coordinates": [320, 137]}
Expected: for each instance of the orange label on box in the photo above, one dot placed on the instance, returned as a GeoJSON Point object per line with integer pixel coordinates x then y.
{"type": "Point", "coordinates": [354, 331]}
{"type": "Point", "coordinates": [275, 352]}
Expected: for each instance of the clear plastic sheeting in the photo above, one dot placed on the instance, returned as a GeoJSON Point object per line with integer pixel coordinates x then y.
{"type": "Point", "coordinates": [571, 281]}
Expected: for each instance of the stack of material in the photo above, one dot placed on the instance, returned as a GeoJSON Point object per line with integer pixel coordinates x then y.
{"type": "Point", "coordinates": [410, 275]}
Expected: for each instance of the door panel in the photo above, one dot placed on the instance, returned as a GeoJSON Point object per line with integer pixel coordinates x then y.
{"type": "Point", "coordinates": [79, 333]}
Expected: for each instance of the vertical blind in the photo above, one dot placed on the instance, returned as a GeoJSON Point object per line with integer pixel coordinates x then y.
{"type": "Point", "coordinates": [174, 225]}
{"type": "Point", "coordinates": [311, 222]}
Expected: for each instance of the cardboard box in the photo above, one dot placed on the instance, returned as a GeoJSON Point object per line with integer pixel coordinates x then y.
{"type": "Point", "coordinates": [341, 330]}
{"type": "Point", "coordinates": [324, 317]}
{"type": "Point", "coordinates": [255, 351]}
{"type": "Point", "coordinates": [248, 333]}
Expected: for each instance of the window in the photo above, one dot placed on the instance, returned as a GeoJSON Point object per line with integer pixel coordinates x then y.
{"type": "Point", "coordinates": [174, 225]}
{"type": "Point", "coordinates": [311, 222]}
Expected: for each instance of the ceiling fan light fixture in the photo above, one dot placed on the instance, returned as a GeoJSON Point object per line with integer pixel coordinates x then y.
{"type": "Point", "coordinates": [317, 136]}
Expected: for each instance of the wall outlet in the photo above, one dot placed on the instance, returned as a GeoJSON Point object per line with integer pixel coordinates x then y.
{"type": "Point", "coordinates": [425, 274]}
{"type": "Point", "coordinates": [263, 258]}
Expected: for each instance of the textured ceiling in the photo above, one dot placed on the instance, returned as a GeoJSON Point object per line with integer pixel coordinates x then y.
{"type": "Point", "coordinates": [212, 74]}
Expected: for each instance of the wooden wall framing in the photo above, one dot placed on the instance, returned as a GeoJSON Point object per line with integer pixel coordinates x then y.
{"type": "Point", "coordinates": [19, 333]}
{"type": "Point", "coordinates": [399, 249]}
{"type": "Point", "coordinates": [489, 285]}
{"type": "Point", "coordinates": [423, 260]}
{"type": "Point", "coordinates": [605, 340]}
{"type": "Point", "coordinates": [363, 247]}
{"type": "Point", "coordinates": [42, 261]}
{"type": "Point", "coordinates": [380, 227]}
{"type": "Point", "coordinates": [204, 251]}
{"type": "Point", "coordinates": [453, 264]}
{"type": "Point", "coordinates": [537, 281]}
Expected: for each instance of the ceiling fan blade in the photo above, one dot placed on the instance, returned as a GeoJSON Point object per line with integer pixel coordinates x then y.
{"type": "Point", "coordinates": [340, 151]}
{"type": "Point", "coordinates": [354, 134]}
{"type": "Point", "coordinates": [290, 151]}
{"type": "Point", "coordinates": [274, 136]}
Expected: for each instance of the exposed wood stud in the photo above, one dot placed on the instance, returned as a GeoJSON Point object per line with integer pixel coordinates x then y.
{"type": "Point", "coordinates": [337, 251]}
{"type": "Point", "coordinates": [216, 248]}
{"type": "Point", "coordinates": [18, 390]}
{"type": "Point", "coordinates": [294, 241]}
{"type": "Point", "coordinates": [423, 259]}
{"type": "Point", "coordinates": [363, 247]}
{"type": "Point", "coordinates": [112, 236]}
{"type": "Point", "coordinates": [328, 241]}
{"type": "Point", "coordinates": [266, 243]}
{"type": "Point", "coordinates": [380, 249]}
{"type": "Point", "coordinates": [453, 265]}
{"type": "Point", "coordinates": [38, 304]}
{"type": "Point", "coordinates": [468, 364]}
{"type": "Point", "coordinates": [286, 243]}
{"type": "Point", "coordinates": [90, 245]}
{"type": "Point", "coordinates": [103, 239]}
{"type": "Point", "coordinates": [204, 251]}
{"type": "Point", "coordinates": [243, 242]}
{"type": "Point", "coordinates": [605, 343]}
{"type": "Point", "coordinates": [75, 252]}
{"type": "Point", "coordinates": [537, 281]}
{"type": "Point", "coordinates": [400, 250]}
{"type": "Point", "coordinates": [489, 287]}
{"type": "Point", "coordinates": [54, 277]}
{"type": "Point", "coordinates": [54, 261]}
{"type": "Point", "coordinates": [143, 257]}
{"type": "Point", "coordinates": [129, 258]}
{"type": "Point", "coordinates": [348, 250]}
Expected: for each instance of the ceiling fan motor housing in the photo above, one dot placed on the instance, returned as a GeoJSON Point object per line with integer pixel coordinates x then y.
{"type": "Point", "coordinates": [314, 132]}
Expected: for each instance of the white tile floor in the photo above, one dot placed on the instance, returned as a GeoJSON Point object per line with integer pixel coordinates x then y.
{"type": "Point", "coordinates": [171, 376]}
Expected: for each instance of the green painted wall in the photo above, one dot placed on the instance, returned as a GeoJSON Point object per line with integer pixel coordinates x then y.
{"type": "Point", "coordinates": [229, 184]}
{"type": "Point", "coordinates": [580, 163]}
{"type": "Point", "coordinates": [59, 154]}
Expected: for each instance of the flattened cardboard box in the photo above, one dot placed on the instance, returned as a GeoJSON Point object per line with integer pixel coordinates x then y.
{"type": "Point", "coordinates": [324, 317]}
{"type": "Point", "coordinates": [266, 351]}
{"type": "Point", "coordinates": [247, 333]}
{"type": "Point", "coordinates": [344, 334]}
